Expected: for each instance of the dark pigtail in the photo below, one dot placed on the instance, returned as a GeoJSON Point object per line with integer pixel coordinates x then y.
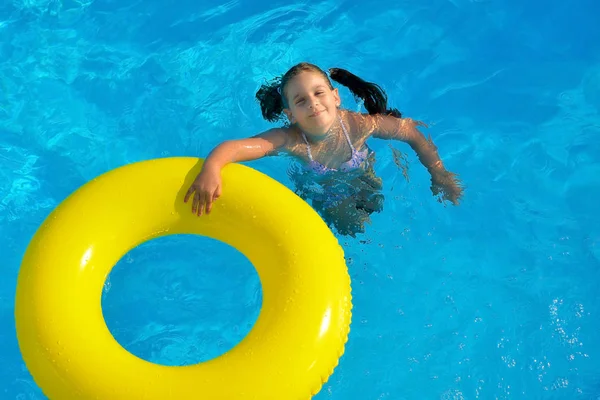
{"type": "Point", "coordinates": [270, 99]}
{"type": "Point", "coordinates": [374, 98]}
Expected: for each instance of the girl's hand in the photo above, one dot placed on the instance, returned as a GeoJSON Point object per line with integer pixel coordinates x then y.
{"type": "Point", "coordinates": [207, 186]}
{"type": "Point", "coordinates": [448, 185]}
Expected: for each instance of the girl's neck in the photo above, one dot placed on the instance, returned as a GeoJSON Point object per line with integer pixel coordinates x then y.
{"type": "Point", "coordinates": [328, 134]}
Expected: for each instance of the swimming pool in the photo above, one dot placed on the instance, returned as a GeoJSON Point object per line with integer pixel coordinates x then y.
{"type": "Point", "coordinates": [492, 299]}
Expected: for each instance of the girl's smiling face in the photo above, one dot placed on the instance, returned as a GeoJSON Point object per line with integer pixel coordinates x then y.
{"type": "Point", "coordinates": [311, 102]}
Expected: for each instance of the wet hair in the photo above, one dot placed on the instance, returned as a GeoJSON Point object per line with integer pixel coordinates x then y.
{"type": "Point", "coordinates": [271, 95]}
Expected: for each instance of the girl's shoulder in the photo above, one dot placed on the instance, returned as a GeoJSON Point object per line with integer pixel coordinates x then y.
{"type": "Point", "coordinates": [293, 138]}
{"type": "Point", "coordinates": [359, 124]}
{"type": "Point", "coordinates": [291, 132]}
{"type": "Point", "coordinates": [355, 117]}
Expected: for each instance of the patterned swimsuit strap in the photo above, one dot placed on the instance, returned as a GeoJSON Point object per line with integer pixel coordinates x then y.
{"type": "Point", "coordinates": [310, 157]}
{"type": "Point", "coordinates": [347, 136]}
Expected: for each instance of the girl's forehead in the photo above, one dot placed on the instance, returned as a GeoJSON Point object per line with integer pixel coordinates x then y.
{"type": "Point", "coordinates": [307, 80]}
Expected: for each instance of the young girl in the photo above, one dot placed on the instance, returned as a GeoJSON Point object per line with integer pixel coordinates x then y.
{"type": "Point", "coordinates": [336, 165]}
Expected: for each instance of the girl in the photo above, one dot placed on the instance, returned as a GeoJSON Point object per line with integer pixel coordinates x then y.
{"type": "Point", "coordinates": [335, 168]}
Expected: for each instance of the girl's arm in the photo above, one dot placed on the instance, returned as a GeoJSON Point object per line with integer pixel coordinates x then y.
{"type": "Point", "coordinates": [388, 127]}
{"type": "Point", "coordinates": [249, 149]}
{"type": "Point", "coordinates": [207, 185]}
{"type": "Point", "coordinates": [405, 129]}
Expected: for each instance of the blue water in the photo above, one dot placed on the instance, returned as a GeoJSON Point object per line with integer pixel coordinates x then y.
{"type": "Point", "coordinates": [494, 299]}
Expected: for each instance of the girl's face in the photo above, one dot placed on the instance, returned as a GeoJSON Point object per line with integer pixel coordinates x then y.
{"type": "Point", "coordinates": [311, 103]}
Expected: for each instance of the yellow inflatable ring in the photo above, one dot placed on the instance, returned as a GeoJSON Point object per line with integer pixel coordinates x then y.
{"type": "Point", "coordinates": [289, 353]}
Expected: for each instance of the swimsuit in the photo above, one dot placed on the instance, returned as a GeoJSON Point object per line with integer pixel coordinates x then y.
{"type": "Point", "coordinates": [355, 161]}
{"type": "Point", "coordinates": [332, 194]}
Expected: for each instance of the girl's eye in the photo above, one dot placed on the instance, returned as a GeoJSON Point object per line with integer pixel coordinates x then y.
{"type": "Point", "coordinates": [300, 101]}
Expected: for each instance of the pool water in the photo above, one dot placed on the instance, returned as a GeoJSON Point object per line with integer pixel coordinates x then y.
{"type": "Point", "coordinates": [493, 299]}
